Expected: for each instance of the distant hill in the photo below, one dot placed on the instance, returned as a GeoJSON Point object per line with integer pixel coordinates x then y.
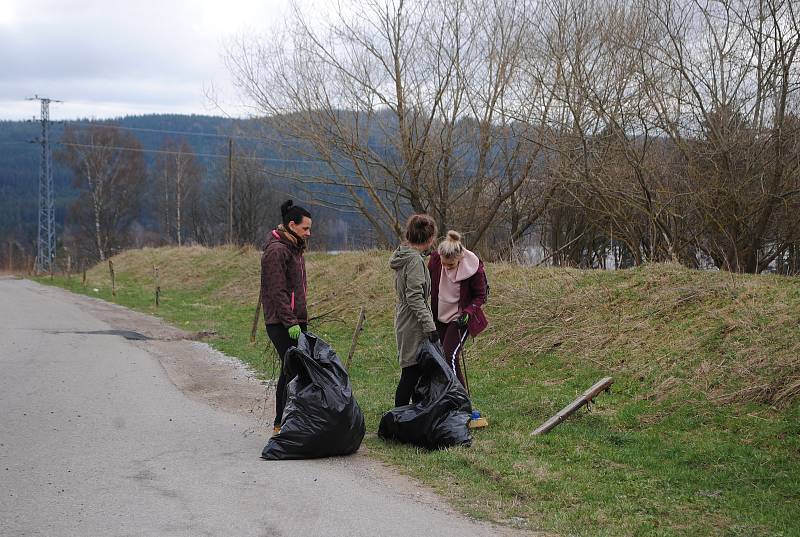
{"type": "Point", "coordinates": [206, 135]}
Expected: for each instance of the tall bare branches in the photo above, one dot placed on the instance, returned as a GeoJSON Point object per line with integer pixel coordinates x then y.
{"type": "Point", "coordinates": [660, 129]}
{"type": "Point", "coordinates": [413, 106]}
{"type": "Point", "coordinates": [177, 175]}
{"type": "Point", "coordinates": [108, 165]}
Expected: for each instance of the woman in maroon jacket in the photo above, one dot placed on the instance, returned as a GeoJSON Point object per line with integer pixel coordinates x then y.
{"type": "Point", "coordinates": [283, 288]}
{"type": "Point", "coordinates": [458, 292]}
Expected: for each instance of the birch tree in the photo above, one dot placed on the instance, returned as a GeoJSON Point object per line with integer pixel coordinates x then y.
{"type": "Point", "coordinates": [109, 169]}
{"type": "Point", "coordinates": [178, 176]}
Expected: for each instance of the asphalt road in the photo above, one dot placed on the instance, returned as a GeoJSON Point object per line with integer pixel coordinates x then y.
{"type": "Point", "coordinates": [102, 436]}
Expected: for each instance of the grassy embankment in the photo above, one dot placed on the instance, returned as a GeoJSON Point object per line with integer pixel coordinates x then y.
{"type": "Point", "coordinates": [700, 435]}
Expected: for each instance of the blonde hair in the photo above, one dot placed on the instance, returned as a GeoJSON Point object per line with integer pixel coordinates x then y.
{"type": "Point", "coordinates": [451, 247]}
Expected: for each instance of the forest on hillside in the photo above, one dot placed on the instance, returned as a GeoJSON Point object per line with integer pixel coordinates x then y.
{"type": "Point", "coordinates": [167, 182]}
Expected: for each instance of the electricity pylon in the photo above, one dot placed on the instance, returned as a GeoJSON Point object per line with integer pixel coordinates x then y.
{"type": "Point", "coordinates": [46, 237]}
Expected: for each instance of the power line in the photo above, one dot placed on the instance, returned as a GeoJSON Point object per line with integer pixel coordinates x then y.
{"type": "Point", "coordinates": [207, 155]}
{"type": "Point", "coordinates": [183, 133]}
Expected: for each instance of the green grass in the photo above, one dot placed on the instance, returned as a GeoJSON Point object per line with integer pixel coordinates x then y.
{"type": "Point", "coordinates": [699, 436]}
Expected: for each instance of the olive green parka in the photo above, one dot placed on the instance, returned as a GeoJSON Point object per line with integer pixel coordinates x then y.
{"type": "Point", "coordinates": [413, 319]}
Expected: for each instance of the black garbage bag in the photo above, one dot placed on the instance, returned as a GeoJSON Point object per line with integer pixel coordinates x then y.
{"type": "Point", "coordinates": [440, 414]}
{"type": "Point", "coordinates": [321, 417]}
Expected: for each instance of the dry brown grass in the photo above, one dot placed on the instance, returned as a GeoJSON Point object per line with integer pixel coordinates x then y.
{"type": "Point", "coordinates": [730, 338]}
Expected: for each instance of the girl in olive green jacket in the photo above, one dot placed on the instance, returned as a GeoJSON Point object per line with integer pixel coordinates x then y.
{"type": "Point", "coordinates": [413, 321]}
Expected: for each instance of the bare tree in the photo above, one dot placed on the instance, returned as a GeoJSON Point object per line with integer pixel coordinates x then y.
{"type": "Point", "coordinates": [109, 168]}
{"type": "Point", "coordinates": [654, 130]}
{"type": "Point", "coordinates": [178, 176]}
{"type": "Point", "coordinates": [731, 75]}
{"type": "Point", "coordinates": [673, 128]}
{"type": "Point", "coordinates": [413, 106]}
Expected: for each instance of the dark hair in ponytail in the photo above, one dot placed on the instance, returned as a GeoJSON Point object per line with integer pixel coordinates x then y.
{"type": "Point", "coordinates": [292, 213]}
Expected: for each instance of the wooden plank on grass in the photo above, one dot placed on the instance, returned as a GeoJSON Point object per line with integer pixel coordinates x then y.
{"type": "Point", "coordinates": [600, 386]}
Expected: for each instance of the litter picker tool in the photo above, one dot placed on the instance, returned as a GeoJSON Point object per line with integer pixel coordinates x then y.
{"type": "Point", "coordinates": [476, 421]}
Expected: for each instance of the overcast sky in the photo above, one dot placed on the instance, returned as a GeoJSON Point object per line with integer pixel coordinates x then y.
{"type": "Point", "coordinates": [118, 57]}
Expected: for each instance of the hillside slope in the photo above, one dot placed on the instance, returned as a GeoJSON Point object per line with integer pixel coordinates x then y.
{"type": "Point", "coordinates": [700, 433]}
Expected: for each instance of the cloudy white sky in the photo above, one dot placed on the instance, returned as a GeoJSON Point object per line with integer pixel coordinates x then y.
{"type": "Point", "coordinates": [116, 57]}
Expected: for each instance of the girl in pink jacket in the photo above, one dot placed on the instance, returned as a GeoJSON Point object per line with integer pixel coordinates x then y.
{"type": "Point", "coordinates": [458, 292]}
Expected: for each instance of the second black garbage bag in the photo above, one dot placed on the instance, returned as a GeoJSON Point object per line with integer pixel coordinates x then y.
{"type": "Point", "coordinates": [439, 416]}
{"type": "Point", "coordinates": [321, 417]}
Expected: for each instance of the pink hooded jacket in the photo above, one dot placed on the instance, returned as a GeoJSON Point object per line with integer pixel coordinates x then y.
{"type": "Point", "coordinates": [471, 280]}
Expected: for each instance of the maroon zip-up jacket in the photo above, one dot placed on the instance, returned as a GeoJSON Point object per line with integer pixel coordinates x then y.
{"type": "Point", "coordinates": [283, 281]}
{"type": "Point", "coordinates": [471, 294]}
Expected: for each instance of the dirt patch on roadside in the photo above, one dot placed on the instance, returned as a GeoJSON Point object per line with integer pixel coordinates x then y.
{"type": "Point", "coordinates": [197, 370]}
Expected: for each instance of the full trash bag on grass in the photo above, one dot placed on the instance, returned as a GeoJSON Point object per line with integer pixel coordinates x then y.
{"type": "Point", "coordinates": [440, 414]}
{"type": "Point", "coordinates": [321, 417]}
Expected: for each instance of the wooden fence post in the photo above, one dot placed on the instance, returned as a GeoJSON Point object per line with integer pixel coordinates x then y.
{"type": "Point", "coordinates": [113, 279]}
{"type": "Point", "coordinates": [157, 284]}
{"type": "Point", "coordinates": [359, 326]}
{"type": "Point", "coordinates": [254, 330]}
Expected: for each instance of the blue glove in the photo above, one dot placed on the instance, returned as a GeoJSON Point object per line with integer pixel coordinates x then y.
{"type": "Point", "coordinates": [294, 332]}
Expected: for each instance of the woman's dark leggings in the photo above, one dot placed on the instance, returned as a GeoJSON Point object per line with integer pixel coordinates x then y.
{"type": "Point", "coordinates": [452, 337]}
{"type": "Point", "coordinates": [279, 335]}
{"type": "Point", "coordinates": [405, 388]}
